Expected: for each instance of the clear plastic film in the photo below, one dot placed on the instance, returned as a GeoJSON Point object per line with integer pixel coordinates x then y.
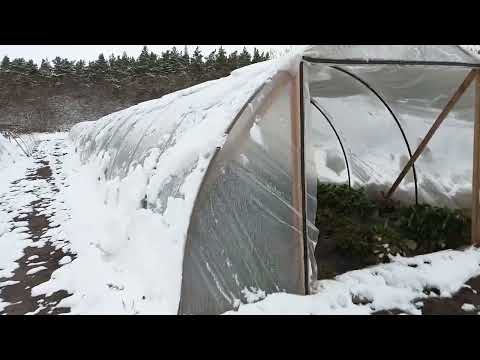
{"type": "Point", "coordinates": [439, 53]}
{"type": "Point", "coordinates": [418, 95]}
{"type": "Point", "coordinates": [311, 176]}
{"type": "Point", "coordinates": [245, 237]}
{"type": "Point", "coordinates": [329, 161]}
{"type": "Point", "coordinates": [373, 142]}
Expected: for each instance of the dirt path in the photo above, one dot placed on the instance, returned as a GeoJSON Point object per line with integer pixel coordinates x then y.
{"type": "Point", "coordinates": [42, 256]}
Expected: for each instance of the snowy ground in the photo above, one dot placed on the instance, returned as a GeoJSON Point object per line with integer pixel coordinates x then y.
{"type": "Point", "coordinates": [63, 250]}
{"type": "Point", "coordinates": [401, 284]}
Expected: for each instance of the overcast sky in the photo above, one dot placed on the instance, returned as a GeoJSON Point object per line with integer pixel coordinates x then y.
{"type": "Point", "coordinates": [91, 52]}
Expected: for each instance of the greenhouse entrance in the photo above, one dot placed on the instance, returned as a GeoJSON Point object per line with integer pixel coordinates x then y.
{"type": "Point", "coordinates": [392, 143]}
{"type": "Point", "coordinates": [344, 157]}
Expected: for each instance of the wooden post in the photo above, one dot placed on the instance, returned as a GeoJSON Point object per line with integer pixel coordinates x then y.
{"type": "Point", "coordinates": [451, 103]}
{"type": "Point", "coordinates": [476, 167]}
{"type": "Point", "coordinates": [297, 193]}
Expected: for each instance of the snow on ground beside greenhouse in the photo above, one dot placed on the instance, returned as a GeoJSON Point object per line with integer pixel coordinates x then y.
{"type": "Point", "coordinates": [13, 165]}
{"type": "Point", "coordinates": [396, 285]}
{"type": "Point", "coordinates": [120, 267]}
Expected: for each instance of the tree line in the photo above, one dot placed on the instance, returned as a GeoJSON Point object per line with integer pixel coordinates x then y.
{"type": "Point", "coordinates": [191, 68]}
{"type": "Point", "coordinates": [54, 95]}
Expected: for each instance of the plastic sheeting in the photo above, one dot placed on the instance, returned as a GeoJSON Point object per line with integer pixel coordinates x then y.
{"type": "Point", "coordinates": [377, 151]}
{"type": "Point", "coordinates": [418, 95]}
{"type": "Point", "coordinates": [174, 132]}
{"type": "Point", "coordinates": [245, 233]}
{"type": "Point", "coordinates": [329, 161]}
{"type": "Point", "coordinates": [428, 53]}
{"type": "Point", "coordinates": [155, 155]}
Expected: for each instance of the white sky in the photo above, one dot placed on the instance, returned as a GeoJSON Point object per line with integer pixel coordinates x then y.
{"type": "Point", "coordinates": [91, 52]}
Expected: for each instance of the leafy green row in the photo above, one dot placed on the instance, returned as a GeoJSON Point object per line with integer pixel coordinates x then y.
{"type": "Point", "coordinates": [370, 231]}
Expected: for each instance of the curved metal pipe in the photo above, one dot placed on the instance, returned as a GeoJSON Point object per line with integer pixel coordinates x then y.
{"type": "Point", "coordinates": [389, 62]}
{"type": "Point", "coordinates": [338, 138]}
{"type": "Point", "coordinates": [384, 102]}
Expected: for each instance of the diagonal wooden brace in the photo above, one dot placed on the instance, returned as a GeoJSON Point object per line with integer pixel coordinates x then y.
{"type": "Point", "coordinates": [451, 103]}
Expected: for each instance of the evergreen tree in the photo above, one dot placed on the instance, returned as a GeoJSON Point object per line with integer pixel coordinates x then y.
{"type": "Point", "coordinates": [79, 67]}
{"type": "Point", "coordinates": [19, 65]}
{"type": "Point", "coordinates": [97, 69]}
{"type": "Point", "coordinates": [45, 67]}
{"type": "Point", "coordinates": [185, 60]}
{"type": "Point", "coordinates": [143, 62]}
{"type": "Point", "coordinates": [256, 56]}
{"type": "Point", "coordinates": [62, 66]}
{"type": "Point", "coordinates": [244, 58]}
{"type": "Point", "coordinates": [221, 63]}
{"type": "Point", "coordinates": [171, 61]}
{"type": "Point", "coordinates": [196, 65]}
{"type": "Point", "coordinates": [175, 60]}
{"type": "Point", "coordinates": [152, 61]}
{"type": "Point", "coordinates": [126, 64]}
{"type": "Point", "coordinates": [5, 63]}
{"type": "Point", "coordinates": [68, 66]}
{"type": "Point", "coordinates": [31, 67]}
{"type": "Point", "coordinates": [90, 69]}
{"type": "Point", "coordinates": [112, 61]}
{"type": "Point", "coordinates": [101, 63]}
{"type": "Point", "coordinates": [57, 64]}
{"type": "Point", "coordinates": [157, 66]}
{"type": "Point", "coordinates": [210, 65]}
{"type": "Point", "coordinates": [233, 61]}
{"type": "Point", "coordinates": [144, 55]}
{"type": "Point", "coordinates": [165, 62]}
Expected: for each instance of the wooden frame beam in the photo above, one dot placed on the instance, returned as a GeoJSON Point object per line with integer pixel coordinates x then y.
{"type": "Point", "coordinates": [297, 178]}
{"type": "Point", "coordinates": [451, 103]}
{"type": "Point", "coordinates": [476, 168]}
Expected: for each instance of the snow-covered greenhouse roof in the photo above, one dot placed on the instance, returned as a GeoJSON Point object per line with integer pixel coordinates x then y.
{"type": "Point", "coordinates": [450, 55]}
{"type": "Point", "coordinates": [229, 167]}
